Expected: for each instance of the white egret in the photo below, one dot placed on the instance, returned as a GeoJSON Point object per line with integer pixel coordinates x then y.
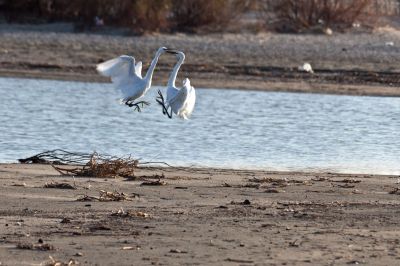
{"type": "Point", "coordinates": [181, 101]}
{"type": "Point", "coordinates": [306, 67]}
{"type": "Point", "coordinates": [127, 77]}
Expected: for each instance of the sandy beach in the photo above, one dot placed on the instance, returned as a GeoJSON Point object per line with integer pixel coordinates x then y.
{"type": "Point", "coordinates": [350, 63]}
{"type": "Point", "coordinates": [182, 216]}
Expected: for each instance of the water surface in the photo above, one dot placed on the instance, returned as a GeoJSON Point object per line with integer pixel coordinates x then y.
{"type": "Point", "coordinates": [229, 128]}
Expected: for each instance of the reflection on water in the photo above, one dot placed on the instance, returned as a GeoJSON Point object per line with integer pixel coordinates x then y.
{"type": "Point", "coordinates": [229, 128]}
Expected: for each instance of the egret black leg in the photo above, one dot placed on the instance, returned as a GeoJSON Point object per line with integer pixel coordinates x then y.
{"type": "Point", "coordinates": [138, 105]}
{"type": "Point", "coordinates": [160, 100]}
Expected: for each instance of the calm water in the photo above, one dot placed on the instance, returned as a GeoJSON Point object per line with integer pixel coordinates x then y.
{"type": "Point", "coordinates": [229, 128]}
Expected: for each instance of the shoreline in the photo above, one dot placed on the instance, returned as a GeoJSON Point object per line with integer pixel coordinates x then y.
{"type": "Point", "coordinates": [272, 171]}
{"type": "Point", "coordinates": [202, 216]}
{"type": "Point", "coordinates": [226, 83]}
{"type": "Point", "coordinates": [160, 167]}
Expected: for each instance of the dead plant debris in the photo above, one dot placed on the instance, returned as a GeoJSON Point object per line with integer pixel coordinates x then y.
{"type": "Point", "coordinates": [86, 165]}
{"type": "Point", "coordinates": [57, 157]}
{"type": "Point", "coordinates": [103, 167]}
{"type": "Point", "coordinates": [153, 183]}
{"type": "Point", "coordinates": [40, 246]}
{"type": "Point", "coordinates": [277, 182]}
{"type": "Point", "coordinates": [395, 191]}
{"type": "Point", "coordinates": [239, 260]}
{"type": "Point", "coordinates": [319, 179]}
{"type": "Point", "coordinates": [181, 187]}
{"type": "Point", "coordinates": [99, 227]}
{"type": "Point", "coordinates": [345, 185]}
{"type": "Point", "coordinates": [245, 202]}
{"type": "Point", "coordinates": [273, 190]}
{"type": "Point", "coordinates": [54, 262]}
{"type": "Point", "coordinates": [252, 185]}
{"type": "Point", "coordinates": [106, 196]}
{"type": "Point", "coordinates": [145, 177]}
{"type": "Point", "coordinates": [347, 181]}
{"type": "Point", "coordinates": [175, 250]}
{"type": "Point", "coordinates": [59, 185]}
{"type": "Point", "coordinates": [65, 220]}
{"type": "Point", "coordinates": [130, 214]}
{"type": "Point", "coordinates": [88, 198]}
{"type": "Point", "coordinates": [113, 196]}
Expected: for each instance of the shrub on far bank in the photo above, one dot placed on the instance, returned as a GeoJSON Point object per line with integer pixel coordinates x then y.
{"type": "Point", "coordinates": [138, 15]}
{"type": "Point", "coordinates": [141, 15]}
{"type": "Point", "coordinates": [195, 16]}
{"type": "Point", "coordinates": [313, 15]}
{"type": "Point", "coordinates": [205, 15]}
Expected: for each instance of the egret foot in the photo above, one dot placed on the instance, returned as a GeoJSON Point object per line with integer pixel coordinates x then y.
{"type": "Point", "coordinates": [161, 101]}
{"type": "Point", "coordinates": [138, 106]}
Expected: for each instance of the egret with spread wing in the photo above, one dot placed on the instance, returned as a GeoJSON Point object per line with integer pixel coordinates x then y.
{"type": "Point", "coordinates": [181, 101]}
{"type": "Point", "coordinates": [127, 77]}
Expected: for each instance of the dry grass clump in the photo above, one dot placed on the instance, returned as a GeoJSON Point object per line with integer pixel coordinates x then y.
{"type": "Point", "coordinates": [314, 15]}
{"type": "Point", "coordinates": [99, 166]}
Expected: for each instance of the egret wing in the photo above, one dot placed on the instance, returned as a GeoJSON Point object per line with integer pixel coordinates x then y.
{"type": "Point", "coordinates": [190, 102]}
{"type": "Point", "coordinates": [171, 93]}
{"type": "Point", "coordinates": [119, 69]}
{"type": "Point", "coordinates": [138, 69]}
{"type": "Point", "coordinates": [178, 101]}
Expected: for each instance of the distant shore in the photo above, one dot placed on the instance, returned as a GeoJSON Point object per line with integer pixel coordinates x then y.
{"type": "Point", "coordinates": [351, 64]}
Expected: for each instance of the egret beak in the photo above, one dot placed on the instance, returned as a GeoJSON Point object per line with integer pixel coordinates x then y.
{"type": "Point", "coordinates": [172, 51]}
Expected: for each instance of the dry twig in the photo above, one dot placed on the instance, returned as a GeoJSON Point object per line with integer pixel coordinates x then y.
{"type": "Point", "coordinates": [102, 166]}
{"type": "Point", "coordinates": [59, 185]}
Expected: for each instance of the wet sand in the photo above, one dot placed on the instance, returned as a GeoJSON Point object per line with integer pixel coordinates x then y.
{"type": "Point", "coordinates": [351, 63]}
{"type": "Point", "coordinates": [200, 217]}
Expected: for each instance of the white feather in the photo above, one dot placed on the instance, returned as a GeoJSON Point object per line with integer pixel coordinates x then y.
{"type": "Point", "coordinates": [138, 69]}
{"type": "Point", "coordinates": [126, 76]}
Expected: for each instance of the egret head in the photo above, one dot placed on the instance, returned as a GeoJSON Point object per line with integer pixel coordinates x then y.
{"type": "Point", "coordinates": [179, 54]}
{"type": "Point", "coordinates": [162, 50]}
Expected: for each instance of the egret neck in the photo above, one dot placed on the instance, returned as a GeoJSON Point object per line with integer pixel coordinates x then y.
{"type": "Point", "coordinates": [150, 71]}
{"type": "Point", "coordinates": [172, 78]}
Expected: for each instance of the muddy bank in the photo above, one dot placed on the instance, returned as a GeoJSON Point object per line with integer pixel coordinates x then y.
{"type": "Point", "coordinates": [356, 64]}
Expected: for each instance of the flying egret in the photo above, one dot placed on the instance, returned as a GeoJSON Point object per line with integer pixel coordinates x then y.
{"type": "Point", "coordinates": [127, 77]}
{"type": "Point", "coordinates": [181, 101]}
